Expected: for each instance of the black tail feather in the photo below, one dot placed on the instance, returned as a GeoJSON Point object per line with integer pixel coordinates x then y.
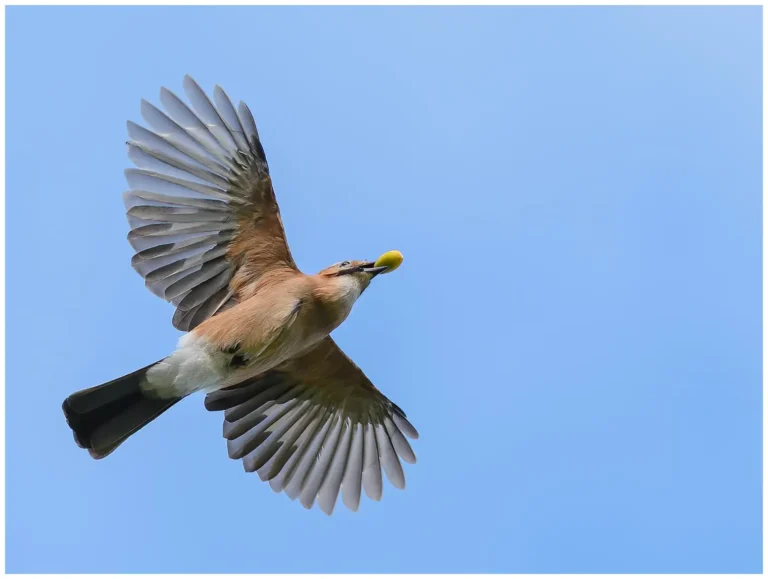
{"type": "Point", "coordinates": [103, 417]}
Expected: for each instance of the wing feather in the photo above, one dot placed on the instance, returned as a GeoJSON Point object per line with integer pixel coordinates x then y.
{"type": "Point", "coordinates": [352, 482]}
{"type": "Point", "coordinates": [372, 483]}
{"type": "Point", "coordinates": [314, 427]}
{"type": "Point", "coordinates": [329, 489]}
{"type": "Point", "coordinates": [204, 221]}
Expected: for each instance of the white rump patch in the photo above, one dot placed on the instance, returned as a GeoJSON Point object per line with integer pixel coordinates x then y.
{"type": "Point", "coordinates": [195, 365]}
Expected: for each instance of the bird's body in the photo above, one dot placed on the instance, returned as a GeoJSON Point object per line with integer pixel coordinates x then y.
{"type": "Point", "coordinates": [284, 317]}
{"type": "Point", "coordinates": [209, 238]}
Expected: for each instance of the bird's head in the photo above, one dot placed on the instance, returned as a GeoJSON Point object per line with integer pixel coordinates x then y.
{"type": "Point", "coordinates": [350, 278]}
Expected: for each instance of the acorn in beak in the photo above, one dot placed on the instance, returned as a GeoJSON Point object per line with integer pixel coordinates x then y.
{"type": "Point", "coordinates": [387, 262]}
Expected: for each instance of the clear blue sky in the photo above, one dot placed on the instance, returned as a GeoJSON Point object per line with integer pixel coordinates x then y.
{"type": "Point", "coordinates": [576, 329]}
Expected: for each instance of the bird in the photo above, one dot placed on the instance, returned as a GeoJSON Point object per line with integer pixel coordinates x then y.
{"type": "Point", "coordinates": [208, 238]}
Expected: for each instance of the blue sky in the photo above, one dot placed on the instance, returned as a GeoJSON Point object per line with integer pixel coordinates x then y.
{"type": "Point", "coordinates": [575, 331]}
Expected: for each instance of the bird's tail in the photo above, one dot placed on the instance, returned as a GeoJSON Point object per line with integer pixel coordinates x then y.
{"type": "Point", "coordinates": [103, 417]}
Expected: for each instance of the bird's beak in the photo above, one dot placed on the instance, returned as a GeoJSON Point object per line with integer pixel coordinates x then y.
{"type": "Point", "coordinates": [371, 268]}
{"type": "Point", "coordinates": [387, 262]}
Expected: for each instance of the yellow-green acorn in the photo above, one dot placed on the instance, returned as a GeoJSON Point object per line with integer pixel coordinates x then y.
{"type": "Point", "coordinates": [391, 259]}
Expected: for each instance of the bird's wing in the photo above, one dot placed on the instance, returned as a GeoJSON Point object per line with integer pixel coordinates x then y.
{"type": "Point", "coordinates": [316, 425]}
{"type": "Point", "coordinates": [204, 220]}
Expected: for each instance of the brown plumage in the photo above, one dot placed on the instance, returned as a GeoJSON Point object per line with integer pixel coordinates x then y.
{"type": "Point", "coordinates": [208, 236]}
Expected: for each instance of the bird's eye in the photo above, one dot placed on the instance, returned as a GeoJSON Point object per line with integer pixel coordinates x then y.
{"type": "Point", "coordinates": [344, 264]}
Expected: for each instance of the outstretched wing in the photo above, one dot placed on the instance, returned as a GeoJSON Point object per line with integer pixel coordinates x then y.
{"type": "Point", "coordinates": [316, 425]}
{"type": "Point", "coordinates": [204, 220]}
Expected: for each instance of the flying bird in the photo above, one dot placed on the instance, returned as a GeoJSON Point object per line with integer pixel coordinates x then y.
{"type": "Point", "coordinates": [208, 236]}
